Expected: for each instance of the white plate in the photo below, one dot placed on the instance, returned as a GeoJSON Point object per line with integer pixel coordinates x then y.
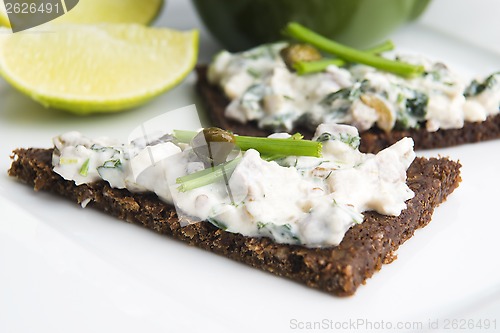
{"type": "Point", "coordinates": [68, 269]}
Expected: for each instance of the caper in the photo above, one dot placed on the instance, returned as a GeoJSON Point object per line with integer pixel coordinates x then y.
{"type": "Point", "coordinates": [299, 52]}
{"type": "Point", "coordinates": [215, 134]}
{"type": "Point", "coordinates": [213, 145]}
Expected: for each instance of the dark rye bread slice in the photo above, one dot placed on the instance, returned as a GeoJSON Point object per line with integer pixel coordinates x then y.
{"type": "Point", "coordinates": [336, 270]}
{"type": "Point", "coordinates": [372, 141]}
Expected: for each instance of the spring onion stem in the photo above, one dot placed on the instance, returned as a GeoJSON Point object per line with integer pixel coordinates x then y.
{"type": "Point", "coordinates": [206, 176]}
{"type": "Point", "coordinates": [346, 53]}
{"type": "Point", "coordinates": [266, 146]}
{"type": "Point", "coordinates": [84, 170]}
{"type": "Point", "coordinates": [269, 148]}
{"type": "Point", "coordinates": [308, 67]}
{"type": "Point", "coordinates": [184, 136]}
{"type": "Point", "coordinates": [284, 147]}
{"type": "Point", "coordinates": [388, 45]}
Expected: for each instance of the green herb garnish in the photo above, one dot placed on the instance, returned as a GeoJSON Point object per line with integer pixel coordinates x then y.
{"type": "Point", "coordinates": [352, 140]}
{"type": "Point", "coordinates": [217, 223]}
{"type": "Point", "coordinates": [206, 176]}
{"type": "Point", "coordinates": [309, 67]}
{"type": "Point", "coordinates": [253, 72]}
{"type": "Point", "coordinates": [269, 148]}
{"type": "Point", "coordinates": [278, 231]}
{"type": "Point", "coordinates": [303, 34]}
{"type": "Point", "coordinates": [284, 147]}
{"type": "Point", "coordinates": [266, 146]}
{"type": "Point", "coordinates": [475, 88]}
{"type": "Point", "coordinates": [84, 170]}
{"type": "Point", "coordinates": [417, 106]}
{"type": "Point", "coordinates": [64, 161]}
{"type": "Point", "coordinates": [112, 163]}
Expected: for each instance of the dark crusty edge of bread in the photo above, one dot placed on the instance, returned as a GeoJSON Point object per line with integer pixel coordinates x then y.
{"type": "Point", "coordinates": [336, 270]}
{"type": "Point", "coordinates": [372, 141]}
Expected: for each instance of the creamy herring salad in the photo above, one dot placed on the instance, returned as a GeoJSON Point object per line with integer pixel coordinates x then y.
{"type": "Point", "coordinates": [261, 88]}
{"type": "Point", "coordinates": [311, 201]}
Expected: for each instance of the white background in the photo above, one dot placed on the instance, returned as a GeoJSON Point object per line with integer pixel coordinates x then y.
{"type": "Point", "coordinates": [66, 269]}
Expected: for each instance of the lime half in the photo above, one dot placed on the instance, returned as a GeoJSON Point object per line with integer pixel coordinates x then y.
{"type": "Point", "coordinates": [4, 19]}
{"type": "Point", "coordinates": [96, 68]}
{"type": "Point", "coordinates": [113, 11]}
{"type": "Point", "coordinates": [104, 11]}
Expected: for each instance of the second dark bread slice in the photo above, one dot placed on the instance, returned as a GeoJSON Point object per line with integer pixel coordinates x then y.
{"type": "Point", "coordinates": [372, 141]}
{"type": "Point", "coordinates": [336, 270]}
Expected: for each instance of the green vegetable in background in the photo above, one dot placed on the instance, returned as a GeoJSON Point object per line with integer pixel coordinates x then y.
{"type": "Point", "coordinates": [242, 24]}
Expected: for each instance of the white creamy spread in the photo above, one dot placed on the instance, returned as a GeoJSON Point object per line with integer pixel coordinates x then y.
{"type": "Point", "coordinates": [296, 200]}
{"type": "Point", "coordinates": [262, 89]}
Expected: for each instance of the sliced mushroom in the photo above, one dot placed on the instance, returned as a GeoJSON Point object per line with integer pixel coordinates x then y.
{"type": "Point", "coordinates": [386, 115]}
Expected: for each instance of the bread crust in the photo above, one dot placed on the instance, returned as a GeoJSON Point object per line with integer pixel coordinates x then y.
{"type": "Point", "coordinates": [372, 141]}
{"type": "Point", "coordinates": [336, 270]}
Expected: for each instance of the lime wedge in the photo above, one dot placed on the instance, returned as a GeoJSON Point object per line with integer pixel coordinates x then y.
{"type": "Point", "coordinates": [104, 11]}
{"type": "Point", "coordinates": [113, 11]}
{"type": "Point", "coordinates": [4, 19]}
{"type": "Point", "coordinates": [96, 68]}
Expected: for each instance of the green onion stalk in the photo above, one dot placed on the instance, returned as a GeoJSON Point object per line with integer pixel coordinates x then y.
{"type": "Point", "coordinates": [346, 53]}
{"type": "Point", "coordinates": [308, 67]}
{"type": "Point", "coordinates": [269, 148]}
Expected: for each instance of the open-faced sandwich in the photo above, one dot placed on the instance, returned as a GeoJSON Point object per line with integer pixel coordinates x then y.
{"type": "Point", "coordinates": [316, 211]}
{"type": "Point", "coordinates": [289, 87]}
